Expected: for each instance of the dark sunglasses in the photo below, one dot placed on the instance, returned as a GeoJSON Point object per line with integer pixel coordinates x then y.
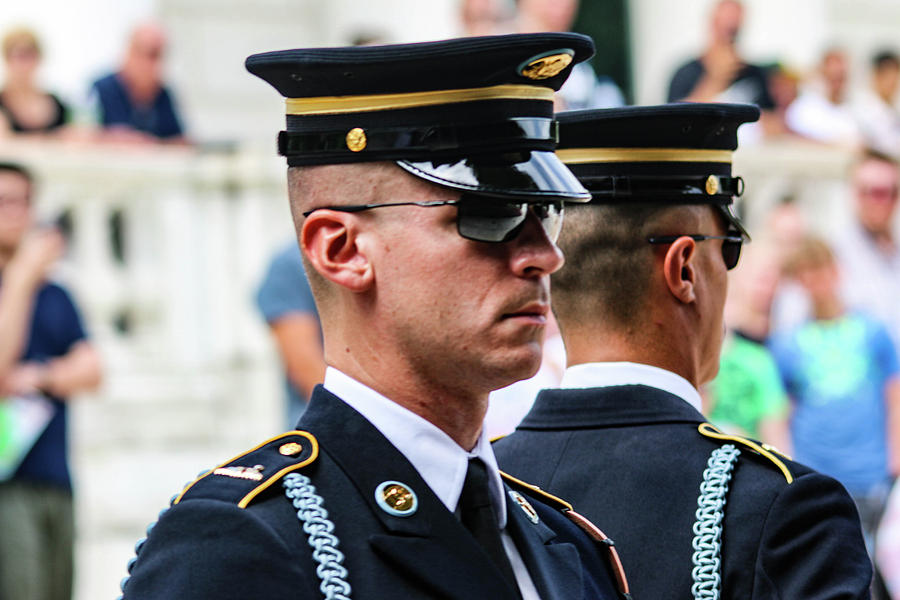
{"type": "Point", "coordinates": [731, 246]}
{"type": "Point", "coordinates": [483, 220]}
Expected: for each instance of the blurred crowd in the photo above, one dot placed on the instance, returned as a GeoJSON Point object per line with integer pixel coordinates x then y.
{"type": "Point", "coordinates": [810, 361]}
{"type": "Point", "coordinates": [131, 105]}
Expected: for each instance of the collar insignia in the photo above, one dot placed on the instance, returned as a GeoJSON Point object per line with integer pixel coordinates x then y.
{"type": "Point", "coordinates": [525, 506]}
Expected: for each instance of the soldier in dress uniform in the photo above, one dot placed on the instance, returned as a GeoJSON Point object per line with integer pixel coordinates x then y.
{"type": "Point", "coordinates": [427, 200]}
{"type": "Point", "coordinates": [694, 512]}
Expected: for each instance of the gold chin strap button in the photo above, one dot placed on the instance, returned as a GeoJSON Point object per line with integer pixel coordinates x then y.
{"type": "Point", "coordinates": [290, 449]}
{"type": "Point", "coordinates": [356, 139]}
{"type": "Point", "coordinates": [713, 185]}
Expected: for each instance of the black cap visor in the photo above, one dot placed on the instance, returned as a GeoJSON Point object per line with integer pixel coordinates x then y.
{"type": "Point", "coordinates": [536, 176]}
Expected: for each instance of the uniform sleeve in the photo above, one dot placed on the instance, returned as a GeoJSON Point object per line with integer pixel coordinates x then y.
{"type": "Point", "coordinates": [213, 549]}
{"type": "Point", "coordinates": [284, 289]}
{"type": "Point", "coordinates": [812, 545]}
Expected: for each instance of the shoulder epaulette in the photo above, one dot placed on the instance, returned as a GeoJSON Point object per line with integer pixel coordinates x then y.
{"type": "Point", "coordinates": [546, 497]}
{"type": "Point", "coordinates": [765, 450]}
{"type": "Point", "coordinates": [247, 475]}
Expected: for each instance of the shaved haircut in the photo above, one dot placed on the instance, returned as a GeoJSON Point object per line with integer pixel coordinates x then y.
{"type": "Point", "coordinates": [312, 187]}
{"type": "Point", "coordinates": [609, 263]}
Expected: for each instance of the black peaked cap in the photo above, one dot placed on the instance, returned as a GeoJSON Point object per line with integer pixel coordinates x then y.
{"type": "Point", "coordinates": [672, 153]}
{"type": "Point", "coordinates": [473, 114]}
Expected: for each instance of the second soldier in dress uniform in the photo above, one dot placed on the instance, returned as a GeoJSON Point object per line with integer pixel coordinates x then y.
{"type": "Point", "coordinates": [426, 198]}
{"type": "Point", "coordinates": [694, 513]}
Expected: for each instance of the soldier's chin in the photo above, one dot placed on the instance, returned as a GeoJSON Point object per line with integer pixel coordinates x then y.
{"type": "Point", "coordinates": [524, 366]}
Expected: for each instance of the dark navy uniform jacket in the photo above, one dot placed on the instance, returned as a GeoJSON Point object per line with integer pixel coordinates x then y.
{"type": "Point", "coordinates": [228, 537]}
{"type": "Point", "coordinates": [632, 458]}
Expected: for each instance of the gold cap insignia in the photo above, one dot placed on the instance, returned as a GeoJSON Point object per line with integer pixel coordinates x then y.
{"type": "Point", "coordinates": [526, 506]}
{"type": "Point", "coordinates": [545, 66]}
{"type": "Point", "coordinates": [356, 139]}
{"type": "Point", "coordinates": [713, 185]}
{"type": "Point", "coordinates": [396, 499]}
{"type": "Point", "coordinates": [253, 473]}
{"type": "Point", "coordinates": [290, 449]}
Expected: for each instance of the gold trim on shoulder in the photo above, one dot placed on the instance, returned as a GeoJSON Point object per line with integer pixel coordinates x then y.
{"type": "Point", "coordinates": [710, 431]}
{"type": "Point", "coordinates": [328, 105]}
{"type": "Point", "coordinates": [554, 499]}
{"type": "Point", "coordinates": [312, 457]}
{"type": "Point", "coordinates": [577, 156]}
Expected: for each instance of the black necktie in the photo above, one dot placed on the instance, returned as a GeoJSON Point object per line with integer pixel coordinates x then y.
{"type": "Point", "coordinates": [477, 514]}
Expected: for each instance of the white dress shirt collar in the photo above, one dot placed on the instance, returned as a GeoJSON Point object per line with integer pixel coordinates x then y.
{"type": "Point", "coordinates": [605, 374]}
{"type": "Point", "coordinates": [440, 461]}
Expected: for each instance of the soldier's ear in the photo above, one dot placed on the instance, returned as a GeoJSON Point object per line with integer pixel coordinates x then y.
{"type": "Point", "coordinates": [330, 241]}
{"type": "Point", "coordinates": [679, 269]}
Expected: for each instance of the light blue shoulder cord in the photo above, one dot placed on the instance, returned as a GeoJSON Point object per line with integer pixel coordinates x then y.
{"type": "Point", "coordinates": [320, 529]}
{"type": "Point", "coordinates": [140, 543]}
{"type": "Point", "coordinates": [315, 523]}
{"type": "Point", "coordinates": [707, 574]}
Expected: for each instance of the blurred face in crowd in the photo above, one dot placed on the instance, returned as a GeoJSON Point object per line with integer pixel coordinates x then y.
{"type": "Point", "coordinates": [886, 79]}
{"type": "Point", "coordinates": [875, 185]}
{"type": "Point", "coordinates": [22, 57]}
{"type": "Point", "coordinates": [820, 280]}
{"type": "Point", "coordinates": [834, 74]}
{"type": "Point", "coordinates": [552, 15]}
{"type": "Point", "coordinates": [484, 17]}
{"type": "Point", "coordinates": [143, 63]}
{"type": "Point", "coordinates": [727, 18]}
{"type": "Point", "coordinates": [15, 209]}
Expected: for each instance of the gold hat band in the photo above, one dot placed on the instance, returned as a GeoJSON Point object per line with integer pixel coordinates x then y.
{"type": "Point", "coordinates": [577, 156]}
{"type": "Point", "coordinates": [344, 104]}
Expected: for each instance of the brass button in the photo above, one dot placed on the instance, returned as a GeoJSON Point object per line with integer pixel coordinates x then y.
{"type": "Point", "coordinates": [713, 185]}
{"type": "Point", "coordinates": [398, 497]}
{"type": "Point", "coordinates": [290, 449]}
{"type": "Point", "coordinates": [356, 139]}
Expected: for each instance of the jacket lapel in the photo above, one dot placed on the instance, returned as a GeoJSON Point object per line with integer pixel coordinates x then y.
{"type": "Point", "coordinates": [554, 568]}
{"type": "Point", "coordinates": [430, 546]}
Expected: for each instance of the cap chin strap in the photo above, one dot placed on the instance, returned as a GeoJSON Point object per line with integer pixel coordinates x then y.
{"type": "Point", "coordinates": [387, 143]}
{"type": "Point", "coordinates": [679, 189]}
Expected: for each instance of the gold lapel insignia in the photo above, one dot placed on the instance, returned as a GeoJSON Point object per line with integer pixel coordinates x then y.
{"type": "Point", "coordinates": [545, 66]}
{"type": "Point", "coordinates": [253, 473]}
{"type": "Point", "coordinates": [396, 499]}
{"type": "Point", "coordinates": [526, 506]}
